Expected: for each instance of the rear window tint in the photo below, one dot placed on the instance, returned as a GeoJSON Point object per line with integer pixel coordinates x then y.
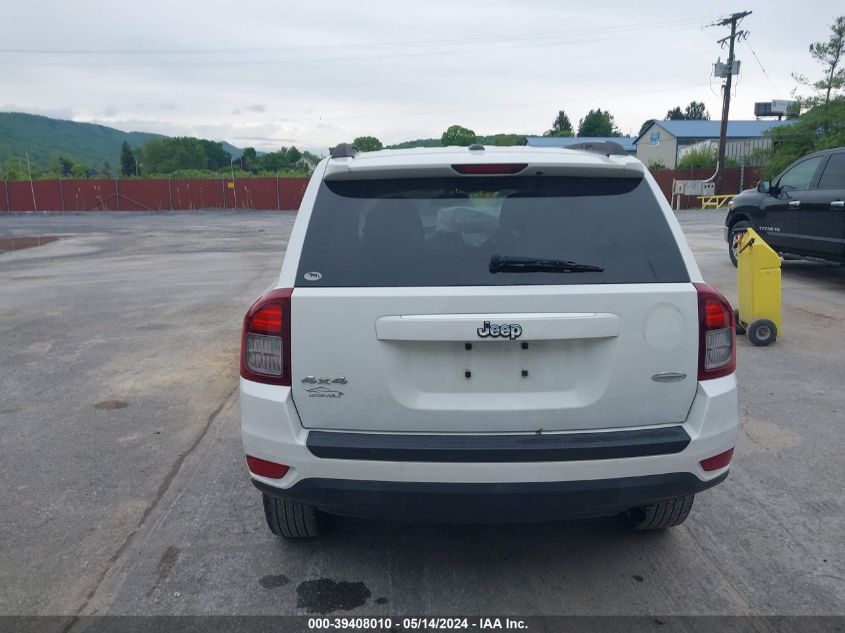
{"type": "Point", "coordinates": [443, 232]}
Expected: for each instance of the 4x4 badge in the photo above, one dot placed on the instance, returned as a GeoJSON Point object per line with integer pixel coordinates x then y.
{"type": "Point", "coordinates": [314, 380]}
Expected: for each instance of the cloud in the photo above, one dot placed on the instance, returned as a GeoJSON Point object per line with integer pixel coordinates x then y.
{"type": "Point", "coordinates": [317, 74]}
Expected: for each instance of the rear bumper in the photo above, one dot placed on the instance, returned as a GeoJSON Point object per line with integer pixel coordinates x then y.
{"type": "Point", "coordinates": [359, 478]}
{"type": "Point", "coordinates": [504, 448]}
{"type": "Point", "coordinates": [488, 502]}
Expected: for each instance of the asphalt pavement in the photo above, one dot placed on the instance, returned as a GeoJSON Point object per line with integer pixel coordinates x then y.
{"type": "Point", "coordinates": [125, 489]}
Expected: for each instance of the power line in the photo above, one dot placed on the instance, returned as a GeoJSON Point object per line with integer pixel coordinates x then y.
{"type": "Point", "coordinates": [759, 63]}
{"type": "Point", "coordinates": [675, 23]}
{"type": "Point", "coordinates": [344, 58]}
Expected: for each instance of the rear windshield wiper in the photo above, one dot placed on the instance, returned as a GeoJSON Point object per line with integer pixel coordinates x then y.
{"type": "Point", "coordinates": [505, 264]}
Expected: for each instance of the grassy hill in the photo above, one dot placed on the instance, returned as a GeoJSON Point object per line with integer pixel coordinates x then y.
{"type": "Point", "coordinates": [46, 139]}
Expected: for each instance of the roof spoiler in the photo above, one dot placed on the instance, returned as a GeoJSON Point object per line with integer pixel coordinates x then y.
{"type": "Point", "coordinates": [344, 150]}
{"type": "Point", "coordinates": [608, 148]}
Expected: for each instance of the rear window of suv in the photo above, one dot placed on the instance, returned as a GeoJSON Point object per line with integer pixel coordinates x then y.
{"type": "Point", "coordinates": [444, 232]}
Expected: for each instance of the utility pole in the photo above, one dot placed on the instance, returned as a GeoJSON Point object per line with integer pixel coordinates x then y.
{"type": "Point", "coordinates": [732, 20]}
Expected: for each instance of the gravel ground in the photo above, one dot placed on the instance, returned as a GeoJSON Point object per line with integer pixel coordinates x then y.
{"type": "Point", "coordinates": [125, 490]}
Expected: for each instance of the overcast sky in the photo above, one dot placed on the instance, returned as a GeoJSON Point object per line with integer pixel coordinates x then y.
{"type": "Point", "coordinates": [313, 74]}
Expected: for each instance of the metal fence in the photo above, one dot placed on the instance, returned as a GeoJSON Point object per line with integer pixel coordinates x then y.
{"type": "Point", "coordinates": [274, 194]}
{"type": "Point", "coordinates": [283, 194]}
{"type": "Point", "coordinates": [734, 180]}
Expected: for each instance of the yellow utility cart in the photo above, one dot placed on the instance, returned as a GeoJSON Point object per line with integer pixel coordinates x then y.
{"type": "Point", "coordinates": [758, 286]}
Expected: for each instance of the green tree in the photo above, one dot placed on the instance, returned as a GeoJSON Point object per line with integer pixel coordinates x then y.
{"type": "Point", "coordinates": [293, 156]}
{"type": "Point", "coordinates": [562, 126]}
{"type": "Point", "coordinates": [81, 171]}
{"type": "Point", "coordinates": [65, 166]}
{"type": "Point", "coordinates": [502, 139]}
{"type": "Point", "coordinates": [696, 111]}
{"type": "Point", "coordinates": [310, 157]}
{"type": "Point", "coordinates": [15, 168]}
{"type": "Point", "coordinates": [167, 155]}
{"type": "Point", "coordinates": [128, 165]}
{"type": "Point", "coordinates": [106, 169]}
{"type": "Point", "coordinates": [457, 135]}
{"type": "Point", "coordinates": [675, 114]}
{"type": "Point", "coordinates": [598, 122]}
{"type": "Point", "coordinates": [249, 160]}
{"type": "Point", "coordinates": [368, 143]}
{"type": "Point", "coordinates": [285, 159]}
{"type": "Point", "coordinates": [829, 54]}
{"type": "Point", "coordinates": [822, 127]}
{"type": "Point", "coordinates": [215, 156]}
{"type": "Point", "coordinates": [274, 161]}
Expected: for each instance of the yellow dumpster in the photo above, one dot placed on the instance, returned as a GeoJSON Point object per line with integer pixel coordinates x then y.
{"type": "Point", "coordinates": [758, 285]}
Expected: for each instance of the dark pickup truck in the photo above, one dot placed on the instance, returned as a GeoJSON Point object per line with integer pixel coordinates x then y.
{"type": "Point", "coordinates": [800, 213]}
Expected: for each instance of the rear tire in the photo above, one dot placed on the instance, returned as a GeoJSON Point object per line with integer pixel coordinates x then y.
{"type": "Point", "coordinates": [291, 519]}
{"type": "Point", "coordinates": [733, 239]}
{"type": "Point", "coordinates": [661, 515]}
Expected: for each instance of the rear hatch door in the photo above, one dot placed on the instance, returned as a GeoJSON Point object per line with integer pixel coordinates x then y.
{"type": "Point", "coordinates": [398, 323]}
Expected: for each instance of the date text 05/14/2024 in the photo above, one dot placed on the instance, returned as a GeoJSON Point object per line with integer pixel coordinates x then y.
{"type": "Point", "coordinates": [417, 624]}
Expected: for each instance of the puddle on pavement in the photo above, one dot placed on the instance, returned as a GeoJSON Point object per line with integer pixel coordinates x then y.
{"type": "Point", "coordinates": [271, 581]}
{"type": "Point", "coordinates": [326, 595]}
{"type": "Point", "coordinates": [111, 405]}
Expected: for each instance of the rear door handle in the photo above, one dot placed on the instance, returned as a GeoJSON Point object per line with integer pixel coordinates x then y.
{"type": "Point", "coordinates": [838, 204]}
{"type": "Point", "coordinates": [794, 204]}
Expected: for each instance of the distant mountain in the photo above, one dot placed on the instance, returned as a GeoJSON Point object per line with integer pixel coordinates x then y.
{"type": "Point", "coordinates": [235, 151]}
{"type": "Point", "coordinates": [46, 139]}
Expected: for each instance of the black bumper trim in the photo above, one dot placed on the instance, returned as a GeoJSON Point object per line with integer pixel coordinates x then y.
{"type": "Point", "coordinates": [488, 502]}
{"type": "Point", "coordinates": [540, 447]}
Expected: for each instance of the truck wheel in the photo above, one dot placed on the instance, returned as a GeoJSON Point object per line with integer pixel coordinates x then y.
{"type": "Point", "coordinates": [733, 240]}
{"type": "Point", "coordinates": [661, 515]}
{"type": "Point", "coordinates": [291, 519]}
{"type": "Point", "coordinates": [762, 332]}
{"type": "Point", "coordinates": [740, 328]}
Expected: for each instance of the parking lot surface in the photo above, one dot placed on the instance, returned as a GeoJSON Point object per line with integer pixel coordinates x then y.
{"type": "Point", "coordinates": [125, 489]}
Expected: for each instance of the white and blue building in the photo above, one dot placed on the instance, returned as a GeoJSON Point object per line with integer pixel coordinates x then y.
{"type": "Point", "coordinates": [667, 141]}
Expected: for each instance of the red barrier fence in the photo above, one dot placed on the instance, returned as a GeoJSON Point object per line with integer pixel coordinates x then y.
{"type": "Point", "coordinates": [247, 193]}
{"type": "Point", "coordinates": [283, 194]}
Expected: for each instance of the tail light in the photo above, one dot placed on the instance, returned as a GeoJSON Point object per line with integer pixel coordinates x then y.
{"type": "Point", "coordinates": [265, 344]}
{"type": "Point", "coordinates": [717, 337]}
{"type": "Point", "coordinates": [263, 468]}
{"type": "Point", "coordinates": [717, 461]}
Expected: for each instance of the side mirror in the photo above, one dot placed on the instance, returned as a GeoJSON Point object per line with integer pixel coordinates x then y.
{"type": "Point", "coordinates": [764, 186]}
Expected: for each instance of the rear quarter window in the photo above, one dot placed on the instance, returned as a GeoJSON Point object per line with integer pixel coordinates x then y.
{"type": "Point", "coordinates": [444, 231]}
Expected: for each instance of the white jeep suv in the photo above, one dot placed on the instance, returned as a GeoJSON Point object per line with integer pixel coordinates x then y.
{"type": "Point", "coordinates": [486, 334]}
